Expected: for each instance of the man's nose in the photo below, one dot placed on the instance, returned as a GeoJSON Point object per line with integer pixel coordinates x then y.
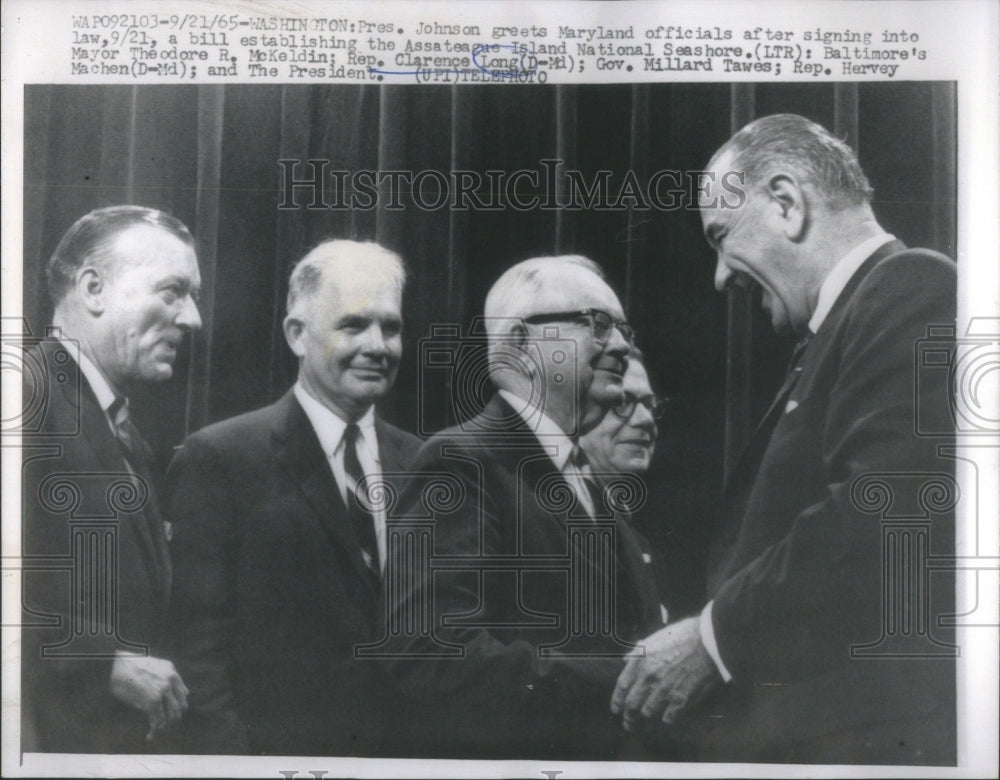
{"type": "Point", "coordinates": [617, 343]}
{"type": "Point", "coordinates": [374, 341]}
{"type": "Point", "coordinates": [189, 318]}
{"type": "Point", "coordinates": [643, 419]}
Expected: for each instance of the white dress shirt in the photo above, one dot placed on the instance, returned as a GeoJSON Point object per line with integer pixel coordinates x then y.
{"type": "Point", "coordinates": [829, 291]}
{"type": "Point", "coordinates": [841, 274]}
{"type": "Point", "coordinates": [330, 432]}
{"type": "Point", "coordinates": [557, 445]}
{"type": "Point", "coordinates": [101, 387]}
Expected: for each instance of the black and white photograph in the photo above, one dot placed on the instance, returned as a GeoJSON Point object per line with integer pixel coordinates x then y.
{"type": "Point", "coordinates": [399, 398]}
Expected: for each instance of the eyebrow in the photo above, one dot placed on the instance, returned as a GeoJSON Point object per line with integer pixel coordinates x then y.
{"type": "Point", "coordinates": [364, 319]}
{"type": "Point", "coordinates": [352, 319]}
{"type": "Point", "coordinates": [177, 279]}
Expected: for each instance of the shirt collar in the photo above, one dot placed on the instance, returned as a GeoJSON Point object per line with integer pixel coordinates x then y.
{"type": "Point", "coordinates": [544, 427]}
{"type": "Point", "coordinates": [330, 428]}
{"type": "Point", "coordinates": [841, 274]}
{"type": "Point", "coordinates": [101, 387]}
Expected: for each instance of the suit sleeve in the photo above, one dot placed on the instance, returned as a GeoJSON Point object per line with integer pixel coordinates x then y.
{"type": "Point", "coordinates": [53, 611]}
{"type": "Point", "coordinates": [202, 613]}
{"type": "Point", "coordinates": [804, 600]}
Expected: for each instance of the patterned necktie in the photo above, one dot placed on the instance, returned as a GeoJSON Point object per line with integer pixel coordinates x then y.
{"type": "Point", "coordinates": [134, 447]}
{"type": "Point", "coordinates": [139, 457]}
{"type": "Point", "coordinates": [361, 516]}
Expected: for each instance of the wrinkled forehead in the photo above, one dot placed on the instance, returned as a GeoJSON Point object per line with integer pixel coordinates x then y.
{"type": "Point", "coordinates": [570, 288]}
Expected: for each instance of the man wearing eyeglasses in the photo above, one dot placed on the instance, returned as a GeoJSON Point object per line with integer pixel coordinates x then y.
{"type": "Point", "coordinates": [531, 616]}
{"type": "Point", "coordinates": [624, 440]}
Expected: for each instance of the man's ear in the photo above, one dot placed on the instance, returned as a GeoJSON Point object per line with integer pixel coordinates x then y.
{"type": "Point", "coordinates": [294, 331]}
{"type": "Point", "coordinates": [508, 352]}
{"type": "Point", "coordinates": [91, 285]}
{"type": "Point", "coordinates": [518, 334]}
{"type": "Point", "coordinates": [789, 198]}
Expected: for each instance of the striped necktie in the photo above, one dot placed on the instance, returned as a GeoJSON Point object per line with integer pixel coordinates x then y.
{"type": "Point", "coordinates": [361, 515]}
{"type": "Point", "coordinates": [134, 447]}
{"type": "Point", "coordinates": [581, 462]}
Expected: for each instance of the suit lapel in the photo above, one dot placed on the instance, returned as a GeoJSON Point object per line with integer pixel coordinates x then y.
{"type": "Point", "coordinates": [93, 423]}
{"type": "Point", "coordinates": [103, 444]}
{"type": "Point", "coordinates": [528, 457]}
{"type": "Point", "coordinates": [754, 450]}
{"type": "Point", "coordinates": [390, 453]}
{"type": "Point", "coordinates": [630, 559]}
{"type": "Point", "coordinates": [531, 462]}
{"type": "Point", "coordinates": [755, 446]}
{"type": "Point", "coordinates": [297, 449]}
{"type": "Point", "coordinates": [739, 482]}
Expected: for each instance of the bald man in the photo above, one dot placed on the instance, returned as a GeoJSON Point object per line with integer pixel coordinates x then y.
{"type": "Point", "coordinates": [523, 653]}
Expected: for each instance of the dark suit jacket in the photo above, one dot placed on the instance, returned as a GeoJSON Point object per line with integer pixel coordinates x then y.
{"type": "Point", "coordinates": [271, 593]}
{"type": "Point", "coordinates": [797, 572]}
{"type": "Point", "coordinates": [97, 571]}
{"type": "Point", "coordinates": [504, 698]}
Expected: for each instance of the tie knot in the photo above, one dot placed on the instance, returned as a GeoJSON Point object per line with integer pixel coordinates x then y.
{"type": "Point", "coordinates": [579, 459]}
{"type": "Point", "coordinates": [351, 433]}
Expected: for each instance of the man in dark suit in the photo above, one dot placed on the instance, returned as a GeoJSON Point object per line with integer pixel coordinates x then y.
{"type": "Point", "coordinates": [623, 442]}
{"type": "Point", "coordinates": [277, 564]}
{"type": "Point", "coordinates": [798, 655]}
{"type": "Point", "coordinates": [538, 584]}
{"type": "Point", "coordinates": [124, 281]}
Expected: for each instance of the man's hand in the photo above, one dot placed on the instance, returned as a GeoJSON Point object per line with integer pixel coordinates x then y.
{"type": "Point", "coordinates": [151, 685]}
{"type": "Point", "coordinates": [676, 672]}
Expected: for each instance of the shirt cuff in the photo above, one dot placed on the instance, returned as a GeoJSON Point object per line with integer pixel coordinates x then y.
{"type": "Point", "coordinates": [708, 639]}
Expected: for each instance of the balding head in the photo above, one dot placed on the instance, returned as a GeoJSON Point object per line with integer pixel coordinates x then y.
{"type": "Point", "coordinates": [789, 142]}
{"type": "Point", "coordinates": [539, 317]}
{"type": "Point", "coordinates": [349, 263]}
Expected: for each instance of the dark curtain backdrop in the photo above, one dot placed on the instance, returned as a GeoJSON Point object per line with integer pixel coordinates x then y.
{"type": "Point", "coordinates": [209, 155]}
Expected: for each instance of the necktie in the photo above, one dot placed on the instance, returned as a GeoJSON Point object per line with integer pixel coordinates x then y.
{"type": "Point", "coordinates": [800, 347]}
{"type": "Point", "coordinates": [139, 457]}
{"type": "Point", "coordinates": [134, 447]}
{"type": "Point", "coordinates": [361, 516]}
{"type": "Point", "coordinates": [582, 463]}
{"type": "Point", "coordinates": [774, 411]}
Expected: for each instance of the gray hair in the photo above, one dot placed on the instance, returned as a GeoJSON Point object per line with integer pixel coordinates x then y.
{"type": "Point", "coordinates": [308, 272]}
{"type": "Point", "coordinates": [516, 293]}
{"type": "Point", "coordinates": [521, 291]}
{"type": "Point", "coordinates": [90, 238]}
{"type": "Point", "coordinates": [793, 142]}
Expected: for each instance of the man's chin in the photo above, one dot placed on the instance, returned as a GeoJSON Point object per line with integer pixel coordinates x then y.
{"type": "Point", "coordinates": [606, 388]}
{"type": "Point", "coordinates": [365, 392]}
{"type": "Point", "coordinates": [634, 458]}
{"type": "Point", "coordinates": [158, 372]}
{"type": "Point", "coordinates": [782, 326]}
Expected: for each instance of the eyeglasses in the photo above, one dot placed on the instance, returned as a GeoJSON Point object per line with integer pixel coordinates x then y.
{"type": "Point", "coordinates": [600, 323]}
{"type": "Point", "coordinates": [657, 407]}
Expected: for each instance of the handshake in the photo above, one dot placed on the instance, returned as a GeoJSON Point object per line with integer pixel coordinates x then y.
{"type": "Point", "coordinates": [669, 672]}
